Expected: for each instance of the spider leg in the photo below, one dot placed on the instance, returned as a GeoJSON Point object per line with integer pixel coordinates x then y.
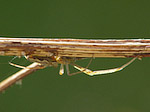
{"type": "Point", "coordinates": [67, 68]}
{"type": "Point", "coordinates": [61, 71]}
{"type": "Point", "coordinates": [68, 71]}
{"type": "Point", "coordinates": [19, 66]}
{"type": "Point", "coordinates": [98, 72]}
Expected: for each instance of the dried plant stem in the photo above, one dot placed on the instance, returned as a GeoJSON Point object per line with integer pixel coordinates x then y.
{"type": "Point", "coordinates": [75, 47]}
{"type": "Point", "coordinates": [18, 76]}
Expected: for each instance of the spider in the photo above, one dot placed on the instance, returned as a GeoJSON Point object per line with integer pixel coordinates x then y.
{"type": "Point", "coordinates": [55, 60]}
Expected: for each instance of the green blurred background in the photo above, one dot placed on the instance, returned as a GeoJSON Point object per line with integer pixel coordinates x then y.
{"type": "Point", "coordinates": [45, 90]}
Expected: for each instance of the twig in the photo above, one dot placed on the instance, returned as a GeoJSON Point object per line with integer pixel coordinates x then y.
{"type": "Point", "coordinates": [74, 47]}
{"type": "Point", "coordinates": [18, 76]}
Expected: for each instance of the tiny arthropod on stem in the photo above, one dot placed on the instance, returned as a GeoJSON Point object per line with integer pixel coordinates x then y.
{"type": "Point", "coordinates": [55, 60]}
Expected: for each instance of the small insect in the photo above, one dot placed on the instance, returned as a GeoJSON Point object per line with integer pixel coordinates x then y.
{"type": "Point", "coordinates": [55, 60]}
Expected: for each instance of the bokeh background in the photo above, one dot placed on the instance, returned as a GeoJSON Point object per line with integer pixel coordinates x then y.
{"type": "Point", "coordinates": [45, 90]}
